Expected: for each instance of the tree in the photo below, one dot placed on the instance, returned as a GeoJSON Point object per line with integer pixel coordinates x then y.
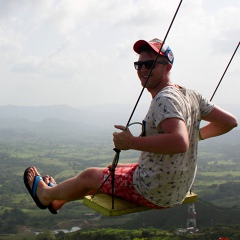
{"type": "Point", "coordinates": [46, 235]}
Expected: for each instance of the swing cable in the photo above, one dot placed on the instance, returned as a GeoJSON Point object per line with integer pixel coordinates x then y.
{"type": "Point", "coordinates": [225, 72]}
{"type": "Point", "coordinates": [117, 151]}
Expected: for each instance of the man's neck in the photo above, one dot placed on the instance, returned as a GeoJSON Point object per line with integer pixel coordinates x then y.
{"type": "Point", "coordinates": [156, 90]}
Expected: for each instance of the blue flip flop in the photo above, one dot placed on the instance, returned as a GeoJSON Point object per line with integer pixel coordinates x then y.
{"type": "Point", "coordinates": [51, 184]}
{"type": "Point", "coordinates": [50, 207]}
{"type": "Point", "coordinates": [32, 191]}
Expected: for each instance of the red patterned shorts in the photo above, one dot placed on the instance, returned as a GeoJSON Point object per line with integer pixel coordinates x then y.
{"type": "Point", "coordinates": [124, 187]}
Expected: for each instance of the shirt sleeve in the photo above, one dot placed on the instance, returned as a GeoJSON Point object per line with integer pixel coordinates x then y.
{"type": "Point", "coordinates": [206, 106]}
{"type": "Point", "coordinates": [168, 105]}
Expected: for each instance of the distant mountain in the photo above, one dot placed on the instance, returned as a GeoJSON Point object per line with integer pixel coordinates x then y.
{"type": "Point", "coordinates": [99, 116]}
{"type": "Point", "coordinates": [103, 116]}
{"type": "Point", "coordinates": [60, 121]}
{"type": "Point", "coordinates": [40, 113]}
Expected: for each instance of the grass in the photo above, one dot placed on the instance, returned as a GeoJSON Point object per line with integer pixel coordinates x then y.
{"type": "Point", "coordinates": [228, 202]}
{"type": "Point", "coordinates": [55, 161]}
{"type": "Point", "coordinates": [3, 208]}
{"type": "Point", "coordinates": [66, 174]}
{"type": "Point", "coordinates": [19, 197]}
{"type": "Point", "coordinates": [25, 235]}
{"type": "Point", "coordinates": [221, 174]}
{"type": "Point", "coordinates": [65, 160]}
{"type": "Point", "coordinates": [207, 184]}
{"type": "Point", "coordinates": [222, 162]}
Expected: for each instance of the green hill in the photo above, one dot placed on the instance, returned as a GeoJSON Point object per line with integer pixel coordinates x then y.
{"type": "Point", "coordinates": [206, 215]}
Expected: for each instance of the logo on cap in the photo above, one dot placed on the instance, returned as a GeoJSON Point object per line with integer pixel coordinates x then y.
{"type": "Point", "coordinates": [165, 50]}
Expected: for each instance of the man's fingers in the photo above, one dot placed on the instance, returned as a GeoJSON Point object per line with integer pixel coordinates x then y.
{"type": "Point", "coordinates": [120, 127]}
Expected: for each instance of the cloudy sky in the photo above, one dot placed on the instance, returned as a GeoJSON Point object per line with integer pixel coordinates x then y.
{"type": "Point", "coordinates": [79, 52]}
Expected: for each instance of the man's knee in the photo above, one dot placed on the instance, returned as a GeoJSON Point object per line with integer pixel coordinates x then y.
{"type": "Point", "coordinates": [92, 175]}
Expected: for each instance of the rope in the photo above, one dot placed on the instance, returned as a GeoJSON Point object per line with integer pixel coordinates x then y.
{"type": "Point", "coordinates": [224, 72]}
{"type": "Point", "coordinates": [117, 151]}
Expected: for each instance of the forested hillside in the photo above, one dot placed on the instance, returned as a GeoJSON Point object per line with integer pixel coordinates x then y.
{"type": "Point", "coordinates": [63, 149]}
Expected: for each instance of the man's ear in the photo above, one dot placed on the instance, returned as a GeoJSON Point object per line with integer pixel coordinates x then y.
{"type": "Point", "coordinates": [169, 67]}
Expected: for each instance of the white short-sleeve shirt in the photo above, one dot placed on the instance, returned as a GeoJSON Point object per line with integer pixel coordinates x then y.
{"type": "Point", "coordinates": [166, 179]}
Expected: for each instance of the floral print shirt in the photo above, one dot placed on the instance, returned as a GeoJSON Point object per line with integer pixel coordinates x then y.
{"type": "Point", "coordinates": [166, 179]}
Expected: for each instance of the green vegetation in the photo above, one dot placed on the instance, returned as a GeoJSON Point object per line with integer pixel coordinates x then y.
{"type": "Point", "coordinates": [231, 232]}
{"type": "Point", "coordinates": [217, 183]}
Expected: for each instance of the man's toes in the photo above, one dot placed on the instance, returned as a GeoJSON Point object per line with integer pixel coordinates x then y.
{"type": "Point", "coordinates": [35, 171]}
{"type": "Point", "coordinates": [31, 174]}
{"type": "Point", "coordinates": [46, 179]}
{"type": "Point", "coordinates": [51, 179]}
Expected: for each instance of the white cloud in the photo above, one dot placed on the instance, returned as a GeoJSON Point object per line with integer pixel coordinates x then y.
{"type": "Point", "coordinates": [80, 52]}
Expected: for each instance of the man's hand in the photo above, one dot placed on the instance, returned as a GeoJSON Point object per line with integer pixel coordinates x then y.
{"type": "Point", "coordinates": [122, 140]}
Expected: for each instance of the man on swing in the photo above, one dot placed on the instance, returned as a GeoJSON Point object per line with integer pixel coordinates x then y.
{"type": "Point", "coordinates": [168, 150]}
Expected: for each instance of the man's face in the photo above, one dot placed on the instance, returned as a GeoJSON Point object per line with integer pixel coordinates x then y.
{"type": "Point", "coordinates": [158, 73]}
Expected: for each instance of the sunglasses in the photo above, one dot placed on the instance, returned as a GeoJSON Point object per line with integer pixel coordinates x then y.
{"type": "Point", "coordinates": [150, 64]}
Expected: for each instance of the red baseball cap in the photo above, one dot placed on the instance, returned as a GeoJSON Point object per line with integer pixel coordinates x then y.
{"type": "Point", "coordinates": [155, 44]}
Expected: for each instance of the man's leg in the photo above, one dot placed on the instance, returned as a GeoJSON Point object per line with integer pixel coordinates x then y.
{"type": "Point", "coordinates": [72, 189]}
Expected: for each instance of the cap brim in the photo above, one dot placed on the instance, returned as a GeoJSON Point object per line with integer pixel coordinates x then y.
{"type": "Point", "coordinates": [137, 46]}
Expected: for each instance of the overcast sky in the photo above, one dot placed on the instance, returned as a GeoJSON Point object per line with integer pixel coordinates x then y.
{"type": "Point", "coordinates": [79, 52]}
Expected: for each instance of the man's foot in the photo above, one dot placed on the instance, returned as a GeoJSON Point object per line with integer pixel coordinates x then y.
{"type": "Point", "coordinates": [51, 183]}
{"type": "Point", "coordinates": [35, 186]}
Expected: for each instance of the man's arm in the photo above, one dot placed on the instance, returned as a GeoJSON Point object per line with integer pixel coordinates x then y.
{"type": "Point", "coordinates": [220, 122]}
{"type": "Point", "coordinates": [174, 140]}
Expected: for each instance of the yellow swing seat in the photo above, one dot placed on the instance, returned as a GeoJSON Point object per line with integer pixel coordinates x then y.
{"type": "Point", "coordinates": [102, 203]}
